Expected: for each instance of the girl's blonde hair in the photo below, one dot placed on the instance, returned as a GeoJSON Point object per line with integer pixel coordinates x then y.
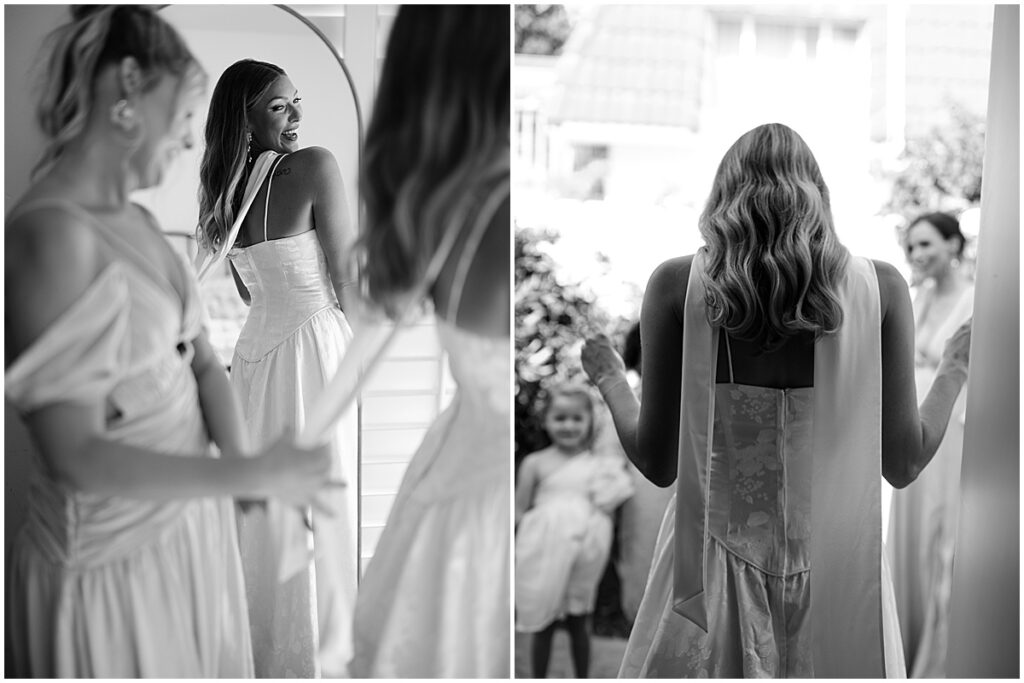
{"type": "Point", "coordinates": [773, 259]}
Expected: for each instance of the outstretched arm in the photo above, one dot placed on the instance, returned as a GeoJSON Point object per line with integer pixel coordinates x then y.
{"type": "Point", "coordinates": [911, 434]}
{"type": "Point", "coordinates": [649, 432]}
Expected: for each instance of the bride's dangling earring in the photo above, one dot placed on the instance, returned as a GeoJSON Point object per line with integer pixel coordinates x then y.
{"type": "Point", "coordinates": [248, 147]}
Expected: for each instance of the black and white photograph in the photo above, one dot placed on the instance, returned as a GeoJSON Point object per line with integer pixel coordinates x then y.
{"type": "Point", "coordinates": [509, 341]}
{"type": "Point", "coordinates": [755, 247]}
{"type": "Point", "coordinates": [257, 330]}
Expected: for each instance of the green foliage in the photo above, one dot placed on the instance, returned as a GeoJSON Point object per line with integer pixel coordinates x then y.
{"type": "Point", "coordinates": [942, 169]}
{"type": "Point", "coordinates": [552, 317]}
{"type": "Point", "coordinates": [541, 29]}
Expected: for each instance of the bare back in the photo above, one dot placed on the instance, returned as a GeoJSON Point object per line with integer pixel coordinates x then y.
{"type": "Point", "coordinates": [283, 207]}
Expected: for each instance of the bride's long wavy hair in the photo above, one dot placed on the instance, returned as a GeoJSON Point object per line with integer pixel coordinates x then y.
{"type": "Point", "coordinates": [773, 259]}
{"type": "Point", "coordinates": [223, 172]}
{"type": "Point", "coordinates": [438, 142]}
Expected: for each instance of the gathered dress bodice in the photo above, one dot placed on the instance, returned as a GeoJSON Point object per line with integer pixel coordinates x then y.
{"type": "Point", "coordinates": [288, 282]}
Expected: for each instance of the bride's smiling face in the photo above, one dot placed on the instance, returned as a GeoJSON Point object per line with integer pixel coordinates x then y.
{"type": "Point", "coordinates": [275, 118]}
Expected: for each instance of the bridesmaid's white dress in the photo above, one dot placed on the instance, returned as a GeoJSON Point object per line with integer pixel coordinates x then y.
{"type": "Point", "coordinates": [290, 347]}
{"type": "Point", "coordinates": [924, 517]}
{"type": "Point", "coordinates": [114, 587]}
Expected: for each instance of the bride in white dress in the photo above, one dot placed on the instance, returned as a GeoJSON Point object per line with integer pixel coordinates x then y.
{"type": "Point", "coordinates": [290, 263]}
{"type": "Point", "coordinates": [434, 600]}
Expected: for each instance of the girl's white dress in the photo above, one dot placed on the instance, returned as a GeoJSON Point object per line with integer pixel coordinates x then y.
{"type": "Point", "coordinates": [924, 517]}
{"type": "Point", "coordinates": [770, 565]}
{"type": "Point", "coordinates": [290, 347]}
{"type": "Point", "coordinates": [562, 544]}
{"type": "Point", "coordinates": [113, 587]}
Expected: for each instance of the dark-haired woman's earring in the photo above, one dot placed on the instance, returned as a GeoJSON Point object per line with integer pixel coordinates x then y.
{"type": "Point", "coordinates": [248, 147]}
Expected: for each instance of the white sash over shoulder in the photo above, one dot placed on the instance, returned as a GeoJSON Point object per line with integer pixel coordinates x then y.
{"type": "Point", "coordinates": [206, 261]}
{"type": "Point", "coordinates": [846, 543]}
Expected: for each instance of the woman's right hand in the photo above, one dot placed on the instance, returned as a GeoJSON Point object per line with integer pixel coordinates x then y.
{"type": "Point", "coordinates": [295, 475]}
{"type": "Point", "coordinates": [600, 360]}
{"type": "Point", "coordinates": [957, 352]}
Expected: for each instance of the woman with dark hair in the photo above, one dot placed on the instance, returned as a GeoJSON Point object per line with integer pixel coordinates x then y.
{"type": "Point", "coordinates": [792, 394]}
{"type": "Point", "coordinates": [924, 517]}
{"type": "Point", "coordinates": [434, 600]}
{"type": "Point", "coordinates": [291, 257]}
{"type": "Point", "coordinates": [127, 565]}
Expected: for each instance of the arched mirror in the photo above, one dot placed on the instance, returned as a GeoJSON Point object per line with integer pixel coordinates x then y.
{"type": "Point", "coordinates": [220, 35]}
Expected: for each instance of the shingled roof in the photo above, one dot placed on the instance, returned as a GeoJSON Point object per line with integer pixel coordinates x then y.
{"type": "Point", "coordinates": [633, 64]}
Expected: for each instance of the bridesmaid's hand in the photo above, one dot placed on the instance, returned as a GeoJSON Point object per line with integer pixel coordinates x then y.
{"type": "Point", "coordinates": [296, 475]}
{"type": "Point", "coordinates": [957, 353]}
{"type": "Point", "coordinates": [600, 360]}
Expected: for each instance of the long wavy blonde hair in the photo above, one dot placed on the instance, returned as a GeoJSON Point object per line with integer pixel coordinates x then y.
{"type": "Point", "coordinates": [96, 36]}
{"type": "Point", "coordinates": [438, 142]}
{"type": "Point", "coordinates": [773, 259]}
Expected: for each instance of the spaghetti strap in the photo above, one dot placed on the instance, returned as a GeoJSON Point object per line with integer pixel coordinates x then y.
{"type": "Point", "coordinates": [266, 204]}
{"type": "Point", "coordinates": [728, 353]}
{"type": "Point", "coordinates": [476, 235]}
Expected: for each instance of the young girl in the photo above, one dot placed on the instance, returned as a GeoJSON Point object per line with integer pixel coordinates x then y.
{"type": "Point", "coordinates": [564, 500]}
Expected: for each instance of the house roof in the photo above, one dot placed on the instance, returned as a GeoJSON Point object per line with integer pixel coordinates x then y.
{"type": "Point", "coordinates": [633, 64]}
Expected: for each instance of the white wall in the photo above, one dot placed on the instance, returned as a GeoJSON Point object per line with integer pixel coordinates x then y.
{"type": "Point", "coordinates": [24, 29]}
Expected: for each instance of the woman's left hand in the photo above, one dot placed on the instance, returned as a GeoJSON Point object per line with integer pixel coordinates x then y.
{"type": "Point", "coordinates": [600, 359]}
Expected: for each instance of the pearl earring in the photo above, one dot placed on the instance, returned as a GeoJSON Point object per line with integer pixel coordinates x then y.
{"type": "Point", "coordinates": [122, 115]}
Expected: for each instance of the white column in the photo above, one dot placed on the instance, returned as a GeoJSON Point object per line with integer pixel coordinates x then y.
{"type": "Point", "coordinates": [984, 631]}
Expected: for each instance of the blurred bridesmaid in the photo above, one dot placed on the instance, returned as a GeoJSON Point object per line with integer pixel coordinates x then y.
{"type": "Point", "coordinates": [923, 521]}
